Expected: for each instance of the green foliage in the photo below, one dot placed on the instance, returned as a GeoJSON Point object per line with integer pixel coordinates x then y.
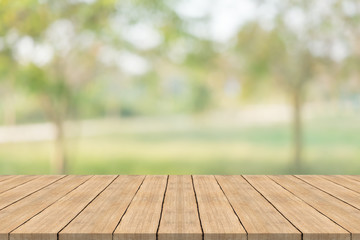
{"type": "Point", "coordinates": [261, 57]}
{"type": "Point", "coordinates": [24, 16]}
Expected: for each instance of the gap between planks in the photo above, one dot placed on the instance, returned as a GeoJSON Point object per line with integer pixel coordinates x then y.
{"type": "Point", "coordinates": [198, 189]}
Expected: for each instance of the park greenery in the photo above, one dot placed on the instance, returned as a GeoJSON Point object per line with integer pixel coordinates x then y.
{"type": "Point", "coordinates": [84, 59]}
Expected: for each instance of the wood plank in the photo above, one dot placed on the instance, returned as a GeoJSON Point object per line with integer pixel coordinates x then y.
{"type": "Point", "coordinates": [15, 181]}
{"type": "Point", "coordinates": [219, 222]}
{"type": "Point", "coordinates": [49, 222]}
{"type": "Point", "coordinates": [180, 207]}
{"type": "Point", "coordinates": [344, 181]}
{"type": "Point", "coordinates": [340, 192]}
{"type": "Point", "coordinates": [343, 214]}
{"type": "Point", "coordinates": [99, 220]}
{"type": "Point", "coordinates": [180, 219]}
{"type": "Point", "coordinates": [141, 220]}
{"type": "Point", "coordinates": [16, 214]}
{"type": "Point", "coordinates": [312, 224]}
{"type": "Point", "coordinates": [4, 177]}
{"type": "Point", "coordinates": [17, 193]}
{"type": "Point", "coordinates": [355, 177]}
{"type": "Point", "coordinates": [260, 219]}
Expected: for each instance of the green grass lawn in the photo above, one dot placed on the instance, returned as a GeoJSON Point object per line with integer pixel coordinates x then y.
{"type": "Point", "coordinates": [330, 147]}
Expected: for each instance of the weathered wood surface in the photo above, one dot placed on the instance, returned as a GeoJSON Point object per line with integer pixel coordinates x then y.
{"type": "Point", "coordinates": [311, 207]}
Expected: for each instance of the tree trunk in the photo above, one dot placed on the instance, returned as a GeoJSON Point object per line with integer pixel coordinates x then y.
{"type": "Point", "coordinates": [297, 129]}
{"type": "Point", "coordinates": [9, 105]}
{"type": "Point", "coordinates": [9, 112]}
{"type": "Point", "coordinates": [60, 165]}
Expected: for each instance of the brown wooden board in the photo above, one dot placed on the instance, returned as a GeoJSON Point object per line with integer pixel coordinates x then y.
{"type": "Point", "coordinates": [180, 219]}
{"type": "Point", "coordinates": [344, 181]}
{"type": "Point", "coordinates": [219, 222]}
{"type": "Point", "coordinates": [4, 177]}
{"type": "Point", "coordinates": [53, 219]}
{"type": "Point", "coordinates": [18, 213]}
{"type": "Point", "coordinates": [142, 218]}
{"type": "Point", "coordinates": [15, 181]}
{"type": "Point", "coordinates": [250, 206]}
{"type": "Point", "coordinates": [338, 211]}
{"type": "Point", "coordinates": [312, 224]}
{"type": "Point", "coordinates": [15, 194]}
{"type": "Point", "coordinates": [99, 220]}
{"type": "Point", "coordinates": [179, 207]}
{"type": "Point", "coordinates": [338, 191]}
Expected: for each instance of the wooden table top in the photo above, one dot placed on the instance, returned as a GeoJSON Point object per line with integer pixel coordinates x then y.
{"type": "Point", "coordinates": [180, 207]}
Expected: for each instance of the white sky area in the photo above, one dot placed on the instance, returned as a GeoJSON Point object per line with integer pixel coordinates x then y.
{"type": "Point", "coordinates": [225, 18]}
{"type": "Point", "coordinates": [142, 35]}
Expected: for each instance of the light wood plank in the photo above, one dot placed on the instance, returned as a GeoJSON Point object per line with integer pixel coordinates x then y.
{"type": "Point", "coordinates": [180, 220]}
{"type": "Point", "coordinates": [218, 219]}
{"type": "Point", "coordinates": [4, 177]}
{"type": "Point", "coordinates": [347, 195]}
{"type": "Point", "coordinates": [260, 219]}
{"type": "Point", "coordinates": [343, 214]}
{"type": "Point", "coordinates": [344, 181]}
{"type": "Point", "coordinates": [355, 177]}
{"type": "Point", "coordinates": [17, 193]}
{"type": "Point", "coordinates": [49, 222]}
{"type": "Point", "coordinates": [99, 220]}
{"type": "Point", "coordinates": [85, 207]}
{"type": "Point", "coordinates": [15, 181]}
{"type": "Point", "coordinates": [16, 214]}
{"type": "Point", "coordinates": [313, 225]}
{"type": "Point", "coordinates": [141, 220]}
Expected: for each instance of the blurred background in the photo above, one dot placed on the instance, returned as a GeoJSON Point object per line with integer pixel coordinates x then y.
{"type": "Point", "coordinates": [180, 87]}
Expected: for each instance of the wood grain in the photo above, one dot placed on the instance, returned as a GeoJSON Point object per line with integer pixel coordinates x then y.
{"type": "Point", "coordinates": [49, 222]}
{"type": "Point", "coordinates": [180, 220]}
{"type": "Point", "coordinates": [17, 193]}
{"type": "Point", "coordinates": [15, 181]}
{"type": "Point", "coordinates": [355, 177]}
{"type": "Point", "coordinates": [313, 225]}
{"type": "Point", "coordinates": [18, 213]}
{"type": "Point", "coordinates": [180, 207]}
{"type": "Point", "coordinates": [141, 220]}
{"type": "Point", "coordinates": [344, 181]}
{"type": "Point", "coordinates": [250, 206]}
{"type": "Point", "coordinates": [342, 193]}
{"type": "Point", "coordinates": [343, 214]}
{"type": "Point", "coordinates": [4, 177]}
{"type": "Point", "coordinates": [99, 220]}
{"type": "Point", "coordinates": [218, 219]}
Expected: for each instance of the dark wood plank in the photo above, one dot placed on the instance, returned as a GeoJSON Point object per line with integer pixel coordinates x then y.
{"type": "Point", "coordinates": [218, 219]}
{"type": "Point", "coordinates": [313, 225]}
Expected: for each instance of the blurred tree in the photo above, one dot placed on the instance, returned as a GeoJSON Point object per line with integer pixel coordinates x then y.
{"type": "Point", "coordinates": [347, 38]}
{"type": "Point", "coordinates": [56, 30]}
{"type": "Point", "coordinates": [17, 19]}
{"type": "Point", "coordinates": [287, 52]}
{"type": "Point", "coordinates": [67, 42]}
{"type": "Point", "coordinates": [146, 57]}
